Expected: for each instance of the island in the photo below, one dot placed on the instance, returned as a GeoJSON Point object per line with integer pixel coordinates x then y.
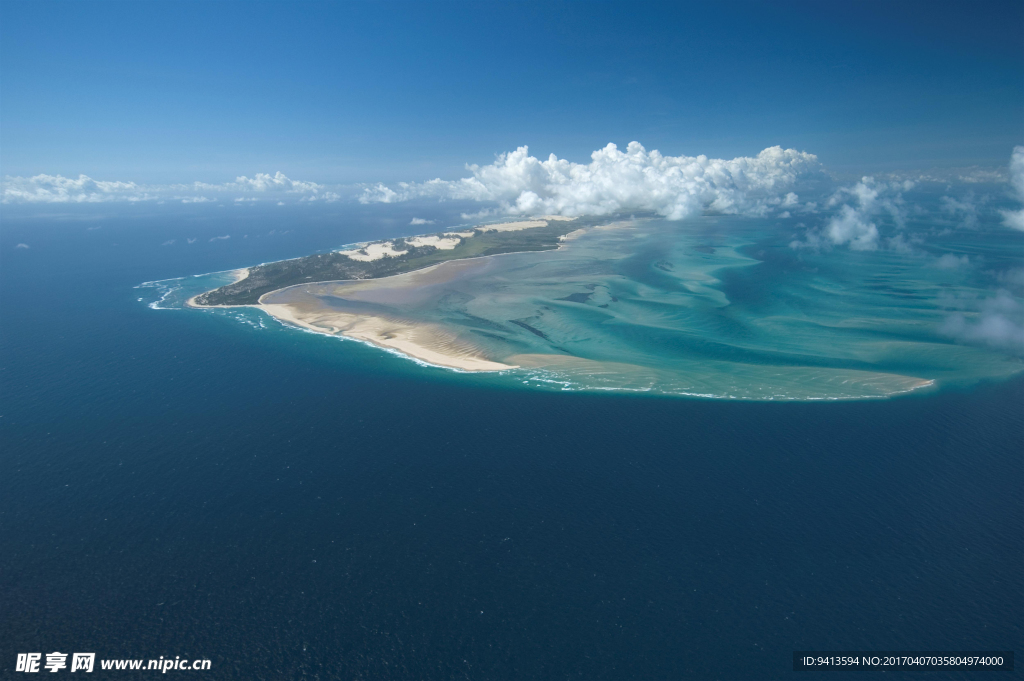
{"type": "Point", "coordinates": [714, 307]}
{"type": "Point", "coordinates": [374, 260]}
{"type": "Point", "coordinates": [307, 292]}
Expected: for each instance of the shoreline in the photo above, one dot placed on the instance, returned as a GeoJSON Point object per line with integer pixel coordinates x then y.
{"type": "Point", "coordinates": [240, 274]}
{"type": "Point", "coordinates": [410, 340]}
{"type": "Point", "coordinates": [431, 344]}
{"type": "Point", "coordinates": [388, 335]}
{"type": "Point", "coordinates": [372, 330]}
{"type": "Point", "coordinates": [381, 259]}
{"type": "Point", "coordinates": [564, 242]}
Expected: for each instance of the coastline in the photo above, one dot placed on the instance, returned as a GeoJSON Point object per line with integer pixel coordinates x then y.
{"type": "Point", "coordinates": [424, 343]}
{"type": "Point", "coordinates": [384, 311]}
{"type": "Point", "coordinates": [427, 343]}
{"type": "Point", "coordinates": [430, 344]}
{"type": "Point", "coordinates": [240, 274]}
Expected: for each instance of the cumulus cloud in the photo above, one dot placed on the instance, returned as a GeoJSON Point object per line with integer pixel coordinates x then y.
{"type": "Point", "coordinates": [857, 209]}
{"type": "Point", "coordinates": [263, 182]}
{"type": "Point", "coordinates": [59, 189]}
{"type": "Point", "coordinates": [1012, 277]}
{"type": "Point", "coordinates": [952, 262]}
{"type": "Point", "coordinates": [998, 322]}
{"type": "Point", "coordinates": [1015, 218]}
{"type": "Point", "coordinates": [963, 211]}
{"type": "Point", "coordinates": [84, 189]}
{"type": "Point", "coordinates": [852, 226]}
{"type": "Point", "coordinates": [901, 244]}
{"type": "Point", "coordinates": [420, 221]}
{"type": "Point", "coordinates": [616, 181]}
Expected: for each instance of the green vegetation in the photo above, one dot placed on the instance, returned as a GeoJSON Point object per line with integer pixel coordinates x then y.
{"type": "Point", "coordinates": [336, 267]}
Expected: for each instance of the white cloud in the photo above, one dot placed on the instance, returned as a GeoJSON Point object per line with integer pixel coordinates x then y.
{"type": "Point", "coordinates": [1017, 170]}
{"type": "Point", "coordinates": [1012, 277]}
{"type": "Point", "coordinates": [327, 197]}
{"type": "Point", "coordinates": [480, 214]}
{"type": "Point", "coordinates": [263, 182]}
{"type": "Point", "coordinates": [216, 238]}
{"type": "Point", "coordinates": [59, 189]}
{"type": "Point", "coordinates": [952, 262]}
{"type": "Point", "coordinates": [169, 242]}
{"type": "Point", "coordinates": [84, 189]}
{"type": "Point", "coordinates": [983, 175]}
{"type": "Point", "coordinates": [999, 323]}
{"type": "Point", "coordinates": [900, 244]}
{"type": "Point", "coordinates": [950, 175]}
{"type": "Point", "coordinates": [853, 227]}
{"type": "Point", "coordinates": [420, 221]}
{"type": "Point", "coordinates": [1015, 218]}
{"type": "Point", "coordinates": [965, 211]}
{"type": "Point", "coordinates": [617, 181]}
{"type": "Point", "coordinates": [22, 246]}
{"type": "Point", "coordinates": [854, 224]}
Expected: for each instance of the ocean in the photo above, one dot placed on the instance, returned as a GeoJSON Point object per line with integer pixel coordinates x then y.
{"type": "Point", "coordinates": [293, 506]}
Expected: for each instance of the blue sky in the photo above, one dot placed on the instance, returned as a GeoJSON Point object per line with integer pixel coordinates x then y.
{"type": "Point", "coordinates": [363, 92]}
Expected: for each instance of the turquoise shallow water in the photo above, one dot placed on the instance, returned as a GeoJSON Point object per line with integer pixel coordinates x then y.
{"type": "Point", "coordinates": [716, 307]}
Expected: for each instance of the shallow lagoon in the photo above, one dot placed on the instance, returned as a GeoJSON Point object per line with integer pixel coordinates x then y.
{"type": "Point", "coordinates": [715, 307]}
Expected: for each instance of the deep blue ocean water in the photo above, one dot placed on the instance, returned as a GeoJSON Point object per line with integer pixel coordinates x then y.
{"type": "Point", "coordinates": [293, 506]}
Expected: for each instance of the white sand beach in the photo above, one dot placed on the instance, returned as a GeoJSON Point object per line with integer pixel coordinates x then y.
{"type": "Point", "coordinates": [424, 342]}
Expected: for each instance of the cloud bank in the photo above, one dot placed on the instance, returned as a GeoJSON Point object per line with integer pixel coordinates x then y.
{"type": "Point", "coordinates": [623, 181]}
{"type": "Point", "coordinates": [782, 183]}
{"type": "Point", "coordinates": [59, 189]}
{"type": "Point", "coordinates": [84, 189]}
